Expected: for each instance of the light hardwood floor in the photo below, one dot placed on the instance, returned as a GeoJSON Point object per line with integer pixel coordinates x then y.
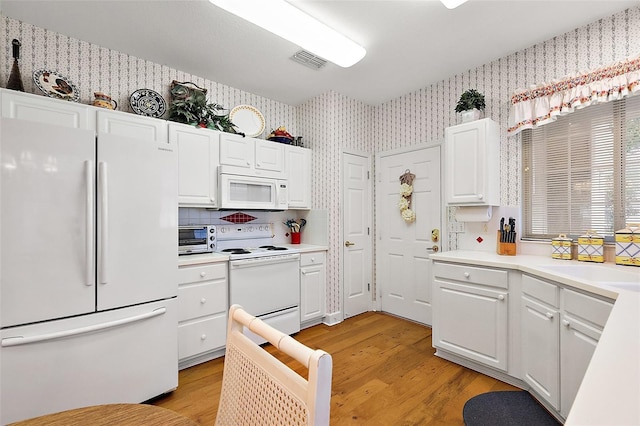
{"type": "Point", "coordinates": [384, 373]}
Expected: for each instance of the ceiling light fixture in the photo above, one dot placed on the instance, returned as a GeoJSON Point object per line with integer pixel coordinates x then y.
{"type": "Point", "coordinates": [452, 4]}
{"type": "Point", "coordinates": [290, 23]}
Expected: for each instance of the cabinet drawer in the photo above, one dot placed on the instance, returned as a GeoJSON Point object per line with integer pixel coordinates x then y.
{"type": "Point", "coordinates": [541, 290]}
{"type": "Point", "coordinates": [315, 258]}
{"type": "Point", "coordinates": [202, 336]}
{"type": "Point", "coordinates": [472, 274]}
{"type": "Point", "coordinates": [200, 273]}
{"type": "Point", "coordinates": [199, 300]}
{"type": "Point", "coordinates": [589, 308]}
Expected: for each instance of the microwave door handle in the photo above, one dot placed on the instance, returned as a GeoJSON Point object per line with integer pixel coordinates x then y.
{"type": "Point", "coordinates": [89, 217]}
{"type": "Point", "coordinates": [104, 222]}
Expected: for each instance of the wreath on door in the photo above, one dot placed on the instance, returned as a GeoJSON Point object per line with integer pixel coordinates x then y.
{"type": "Point", "coordinates": [406, 190]}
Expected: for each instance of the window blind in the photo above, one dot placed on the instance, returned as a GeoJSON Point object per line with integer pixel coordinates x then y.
{"type": "Point", "coordinates": [582, 172]}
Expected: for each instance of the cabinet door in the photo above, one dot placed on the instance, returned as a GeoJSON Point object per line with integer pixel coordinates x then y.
{"type": "Point", "coordinates": [299, 176]}
{"type": "Point", "coordinates": [198, 160]}
{"type": "Point", "coordinates": [472, 322]}
{"type": "Point", "coordinates": [42, 109]}
{"type": "Point", "coordinates": [312, 283]}
{"type": "Point", "coordinates": [541, 349]}
{"type": "Point", "coordinates": [237, 151]}
{"type": "Point", "coordinates": [472, 163]}
{"type": "Point", "coordinates": [578, 342]}
{"type": "Point", "coordinates": [269, 158]}
{"type": "Point", "coordinates": [132, 126]}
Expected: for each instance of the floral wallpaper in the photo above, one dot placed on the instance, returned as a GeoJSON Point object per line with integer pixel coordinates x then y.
{"type": "Point", "coordinates": [93, 68]}
{"type": "Point", "coordinates": [332, 123]}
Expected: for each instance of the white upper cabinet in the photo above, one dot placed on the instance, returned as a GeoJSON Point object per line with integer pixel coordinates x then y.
{"type": "Point", "coordinates": [25, 106]}
{"type": "Point", "coordinates": [299, 176]}
{"type": "Point", "coordinates": [472, 164]}
{"type": "Point", "coordinates": [257, 157]}
{"type": "Point", "coordinates": [198, 160]}
{"type": "Point", "coordinates": [131, 125]}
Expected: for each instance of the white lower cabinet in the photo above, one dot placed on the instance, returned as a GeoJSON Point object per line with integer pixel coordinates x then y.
{"type": "Point", "coordinates": [554, 330]}
{"type": "Point", "coordinates": [312, 287]}
{"type": "Point", "coordinates": [202, 312]}
{"type": "Point", "coordinates": [540, 337]}
{"type": "Point", "coordinates": [471, 313]}
{"type": "Point", "coordinates": [582, 321]}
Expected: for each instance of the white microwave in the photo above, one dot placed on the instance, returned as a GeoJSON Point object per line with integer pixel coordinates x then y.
{"type": "Point", "coordinates": [252, 192]}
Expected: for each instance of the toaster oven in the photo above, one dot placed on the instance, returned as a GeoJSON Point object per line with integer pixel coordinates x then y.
{"type": "Point", "coordinates": [196, 239]}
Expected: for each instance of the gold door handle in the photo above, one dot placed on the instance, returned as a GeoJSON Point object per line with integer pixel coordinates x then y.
{"type": "Point", "coordinates": [433, 249]}
{"type": "Point", "coordinates": [349, 243]}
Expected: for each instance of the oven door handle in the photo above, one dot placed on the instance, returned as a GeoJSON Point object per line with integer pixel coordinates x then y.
{"type": "Point", "coordinates": [250, 263]}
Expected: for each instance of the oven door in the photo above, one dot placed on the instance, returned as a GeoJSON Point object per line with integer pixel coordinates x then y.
{"type": "Point", "coordinates": [263, 285]}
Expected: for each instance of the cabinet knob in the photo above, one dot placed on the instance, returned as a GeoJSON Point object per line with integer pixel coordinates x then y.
{"type": "Point", "coordinates": [467, 275]}
{"type": "Point", "coordinates": [203, 274]}
{"type": "Point", "coordinates": [248, 163]}
{"type": "Point", "coordinates": [566, 323]}
{"type": "Point", "coordinates": [203, 300]}
{"type": "Point", "coordinates": [203, 337]}
{"type": "Point", "coordinates": [549, 315]}
{"type": "Point", "coordinates": [258, 164]}
{"type": "Point", "coordinates": [313, 259]}
{"type": "Point", "coordinates": [480, 196]}
{"type": "Point", "coordinates": [501, 297]}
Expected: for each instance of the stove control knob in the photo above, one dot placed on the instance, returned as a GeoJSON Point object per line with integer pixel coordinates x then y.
{"type": "Point", "coordinates": [212, 246]}
{"type": "Point", "coordinates": [212, 230]}
{"type": "Point", "coordinates": [212, 238]}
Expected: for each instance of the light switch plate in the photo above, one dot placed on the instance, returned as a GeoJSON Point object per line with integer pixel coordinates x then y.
{"type": "Point", "coordinates": [457, 227]}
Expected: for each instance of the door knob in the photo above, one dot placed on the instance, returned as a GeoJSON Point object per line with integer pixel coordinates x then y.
{"type": "Point", "coordinates": [434, 249]}
{"type": "Point", "coordinates": [349, 243]}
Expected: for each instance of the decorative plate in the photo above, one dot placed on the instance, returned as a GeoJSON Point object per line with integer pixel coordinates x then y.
{"type": "Point", "coordinates": [147, 102]}
{"type": "Point", "coordinates": [248, 120]}
{"type": "Point", "coordinates": [56, 85]}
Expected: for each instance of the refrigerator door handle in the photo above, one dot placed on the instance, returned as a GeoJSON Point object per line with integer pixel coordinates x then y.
{"type": "Point", "coordinates": [104, 221]}
{"type": "Point", "coordinates": [20, 340]}
{"type": "Point", "coordinates": [89, 243]}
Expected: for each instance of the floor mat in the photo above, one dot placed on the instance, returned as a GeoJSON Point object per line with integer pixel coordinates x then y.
{"type": "Point", "coordinates": [506, 408]}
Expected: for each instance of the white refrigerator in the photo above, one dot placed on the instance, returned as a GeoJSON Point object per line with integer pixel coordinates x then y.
{"type": "Point", "coordinates": [88, 271]}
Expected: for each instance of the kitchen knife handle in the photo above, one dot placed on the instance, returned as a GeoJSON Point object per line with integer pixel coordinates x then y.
{"type": "Point", "coordinates": [89, 242]}
{"type": "Point", "coordinates": [104, 221]}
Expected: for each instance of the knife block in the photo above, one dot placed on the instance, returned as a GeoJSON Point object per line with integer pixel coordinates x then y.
{"type": "Point", "coordinates": [505, 249]}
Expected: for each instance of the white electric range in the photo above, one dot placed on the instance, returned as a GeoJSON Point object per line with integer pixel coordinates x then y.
{"type": "Point", "coordinates": [264, 278]}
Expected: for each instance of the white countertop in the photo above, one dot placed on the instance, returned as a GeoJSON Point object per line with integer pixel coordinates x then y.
{"type": "Point", "coordinates": [610, 390]}
{"type": "Point", "coordinates": [197, 259]}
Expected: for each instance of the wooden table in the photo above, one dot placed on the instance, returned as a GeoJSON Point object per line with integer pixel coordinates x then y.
{"type": "Point", "coordinates": [111, 415]}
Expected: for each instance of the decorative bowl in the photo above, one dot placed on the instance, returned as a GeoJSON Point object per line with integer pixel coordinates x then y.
{"type": "Point", "coordinates": [281, 139]}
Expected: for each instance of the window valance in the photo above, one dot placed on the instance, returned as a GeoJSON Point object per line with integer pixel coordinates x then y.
{"type": "Point", "coordinates": [543, 103]}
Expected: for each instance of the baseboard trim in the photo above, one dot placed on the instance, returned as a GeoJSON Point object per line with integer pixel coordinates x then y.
{"type": "Point", "coordinates": [332, 319]}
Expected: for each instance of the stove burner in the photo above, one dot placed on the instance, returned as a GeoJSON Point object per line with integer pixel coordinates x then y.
{"type": "Point", "coordinates": [274, 248]}
{"type": "Point", "coordinates": [236, 251]}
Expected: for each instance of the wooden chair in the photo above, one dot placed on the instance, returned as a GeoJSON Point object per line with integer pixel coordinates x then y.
{"type": "Point", "coordinates": [258, 389]}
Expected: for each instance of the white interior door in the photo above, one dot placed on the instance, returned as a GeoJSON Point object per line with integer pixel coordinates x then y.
{"type": "Point", "coordinates": [403, 267]}
{"type": "Point", "coordinates": [357, 243]}
{"type": "Point", "coordinates": [137, 221]}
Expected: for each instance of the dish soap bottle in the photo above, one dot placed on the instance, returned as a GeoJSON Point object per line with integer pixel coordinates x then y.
{"type": "Point", "coordinates": [15, 80]}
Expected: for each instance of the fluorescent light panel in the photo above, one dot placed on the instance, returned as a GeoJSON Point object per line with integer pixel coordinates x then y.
{"type": "Point", "coordinates": [452, 4]}
{"type": "Point", "coordinates": [290, 23]}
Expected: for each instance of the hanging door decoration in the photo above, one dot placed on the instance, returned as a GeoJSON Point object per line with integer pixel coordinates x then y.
{"type": "Point", "coordinates": [406, 190]}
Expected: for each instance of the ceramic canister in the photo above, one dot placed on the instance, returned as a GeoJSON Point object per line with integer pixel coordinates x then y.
{"type": "Point", "coordinates": [591, 247]}
{"type": "Point", "coordinates": [628, 245]}
{"type": "Point", "coordinates": [561, 247]}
